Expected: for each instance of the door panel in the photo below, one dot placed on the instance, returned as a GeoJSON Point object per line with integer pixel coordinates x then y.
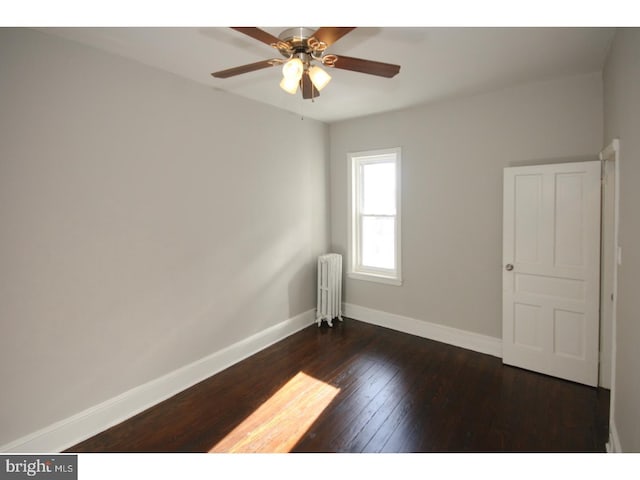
{"type": "Point", "coordinates": [569, 215]}
{"type": "Point", "coordinates": [551, 237]}
{"type": "Point", "coordinates": [528, 190]}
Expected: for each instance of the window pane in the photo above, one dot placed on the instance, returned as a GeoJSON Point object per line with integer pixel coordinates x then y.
{"type": "Point", "coordinates": [377, 242]}
{"type": "Point", "coordinates": [379, 188]}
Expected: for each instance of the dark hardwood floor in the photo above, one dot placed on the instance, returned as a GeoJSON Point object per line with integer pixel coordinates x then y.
{"type": "Point", "coordinates": [362, 388]}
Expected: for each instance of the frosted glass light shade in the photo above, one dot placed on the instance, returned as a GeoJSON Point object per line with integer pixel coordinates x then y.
{"type": "Point", "coordinates": [293, 69]}
{"type": "Point", "coordinates": [290, 85]}
{"type": "Point", "coordinates": [319, 77]}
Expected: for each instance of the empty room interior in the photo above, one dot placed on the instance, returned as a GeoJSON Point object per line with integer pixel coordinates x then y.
{"type": "Point", "coordinates": [174, 201]}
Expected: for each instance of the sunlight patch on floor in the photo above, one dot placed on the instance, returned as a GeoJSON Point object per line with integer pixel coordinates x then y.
{"type": "Point", "coordinates": [280, 422]}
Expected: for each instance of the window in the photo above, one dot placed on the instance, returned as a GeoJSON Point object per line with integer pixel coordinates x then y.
{"type": "Point", "coordinates": [374, 244]}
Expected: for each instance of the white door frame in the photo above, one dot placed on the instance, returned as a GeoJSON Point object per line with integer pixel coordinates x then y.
{"type": "Point", "coordinates": [612, 153]}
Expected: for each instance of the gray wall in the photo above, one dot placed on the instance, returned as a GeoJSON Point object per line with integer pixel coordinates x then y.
{"type": "Point", "coordinates": [145, 222]}
{"type": "Point", "coordinates": [622, 120]}
{"type": "Point", "coordinates": [453, 154]}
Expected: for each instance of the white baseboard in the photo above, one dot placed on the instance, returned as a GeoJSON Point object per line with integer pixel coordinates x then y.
{"type": "Point", "coordinates": [613, 446]}
{"type": "Point", "coordinates": [66, 433]}
{"type": "Point", "coordinates": [452, 336]}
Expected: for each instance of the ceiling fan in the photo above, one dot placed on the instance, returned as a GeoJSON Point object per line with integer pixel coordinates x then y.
{"type": "Point", "coordinates": [302, 49]}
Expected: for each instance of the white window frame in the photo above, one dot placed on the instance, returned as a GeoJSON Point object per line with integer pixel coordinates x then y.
{"type": "Point", "coordinates": [355, 268]}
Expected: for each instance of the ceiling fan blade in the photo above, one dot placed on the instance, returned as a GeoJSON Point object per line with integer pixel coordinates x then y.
{"type": "Point", "coordinates": [330, 35]}
{"type": "Point", "coordinates": [387, 70]}
{"type": "Point", "coordinates": [308, 89]}
{"type": "Point", "coordinates": [251, 67]}
{"type": "Point", "coordinates": [258, 34]}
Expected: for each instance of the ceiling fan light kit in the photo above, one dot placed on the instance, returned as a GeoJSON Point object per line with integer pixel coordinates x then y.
{"type": "Point", "coordinates": [303, 49]}
{"type": "Point", "coordinates": [319, 77]}
{"type": "Point", "coordinates": [293, 69]}
{"type": "Point", "coordinates": [290, 85]}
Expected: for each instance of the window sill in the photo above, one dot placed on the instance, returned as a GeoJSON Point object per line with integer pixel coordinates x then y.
{"type": "Point", "coordinates": [372, 277]}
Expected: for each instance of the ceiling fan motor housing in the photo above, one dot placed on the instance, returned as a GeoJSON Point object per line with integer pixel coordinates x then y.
{"type": "Point", "coordinates": [297, 37]}
{"type": "Point", "coordinates": [299, 42]}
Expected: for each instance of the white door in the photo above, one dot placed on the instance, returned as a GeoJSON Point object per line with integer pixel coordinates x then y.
{"type": "Point", "coordinates": [551, 269]}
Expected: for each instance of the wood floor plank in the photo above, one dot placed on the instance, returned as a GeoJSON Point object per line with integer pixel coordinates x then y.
{"type": "Point", "coordinates": [357, 387]}
{"type": "Point", "coordinates": [350, 403]}
{"type": "Point", "coordinates": [363, 425]}
{"type": "Point", "coordinates": [409, 422]}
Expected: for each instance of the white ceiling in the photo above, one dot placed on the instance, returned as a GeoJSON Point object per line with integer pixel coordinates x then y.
{"type": "Point", "coordinates": [436, 63]}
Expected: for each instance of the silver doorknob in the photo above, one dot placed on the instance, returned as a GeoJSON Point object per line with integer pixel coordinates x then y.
{"type": "Point", "coordinates": [508, 267]}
